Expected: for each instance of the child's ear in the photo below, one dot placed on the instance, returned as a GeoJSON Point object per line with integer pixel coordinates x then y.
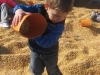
{"type": "Point", "coordinates": [46, 6]}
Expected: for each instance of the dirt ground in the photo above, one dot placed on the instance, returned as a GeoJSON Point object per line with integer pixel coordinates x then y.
{"type": "Point", "coordinates": [79, 47]}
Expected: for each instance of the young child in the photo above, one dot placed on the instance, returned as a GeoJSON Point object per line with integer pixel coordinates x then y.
{"type": "Point", "coordinates": [44, 48]}
{"type": "Point", "coordinates": [4, 11]}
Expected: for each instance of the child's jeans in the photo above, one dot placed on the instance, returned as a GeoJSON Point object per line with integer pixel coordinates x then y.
{"type": "Point", "coordinates": [39, 61]}
{"type": "Point", "coordinates": [4, 13]}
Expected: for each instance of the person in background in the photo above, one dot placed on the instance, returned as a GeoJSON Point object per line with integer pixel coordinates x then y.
{"type": "Point", "coordinates": [95, 16]}
{"type": "Point", "coordinates": [4, 4]}
{"type": "Point", "coordinates": [45, 48]}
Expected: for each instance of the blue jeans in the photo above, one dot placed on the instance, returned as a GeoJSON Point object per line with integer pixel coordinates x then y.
{"type": "Point", "coordinates": [39, 61]}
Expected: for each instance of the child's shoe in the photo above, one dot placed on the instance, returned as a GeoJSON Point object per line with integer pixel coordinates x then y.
{"type": "Point", "coordinates": [5, 25]}
{"type": "Point", "coordinates": [98, 18]}
{"type": "Point", "coordinates": [94, 15]}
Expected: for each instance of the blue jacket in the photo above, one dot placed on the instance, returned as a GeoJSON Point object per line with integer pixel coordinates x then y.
{"type": "Point", "coordinates": [48, 42]}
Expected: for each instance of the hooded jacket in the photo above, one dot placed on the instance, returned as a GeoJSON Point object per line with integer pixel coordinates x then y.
{"type": "Point", "coordinates": [47, 43]}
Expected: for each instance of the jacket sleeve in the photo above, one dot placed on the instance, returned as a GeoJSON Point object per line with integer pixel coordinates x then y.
{"type": "Point", "coordinates": [51, 38]}
{"type": "Point", "coordinates": [27, 8]}
{"type": "Point", "coordinates": [11, 3]}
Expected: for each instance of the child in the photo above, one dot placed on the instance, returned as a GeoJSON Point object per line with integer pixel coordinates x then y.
{"type": "Point", "coordinates": [4, 12]}
{"type": "Point", "coordinates": [44, 48]}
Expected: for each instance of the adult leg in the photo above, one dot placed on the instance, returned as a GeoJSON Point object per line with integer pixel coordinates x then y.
{"type": "Point", "coordinates": [36, 64]}
{"type": "Point", "coordinates": [50, 62]}
{"type": "Point", "coordinates": [4, 16]}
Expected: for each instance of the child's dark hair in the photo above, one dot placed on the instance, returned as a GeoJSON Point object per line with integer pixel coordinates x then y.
{"type": "Point", "coordinates": [63, 5]}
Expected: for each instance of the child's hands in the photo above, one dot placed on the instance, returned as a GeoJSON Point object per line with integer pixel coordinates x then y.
{"type": "Point", "coordinates": [18, 16]}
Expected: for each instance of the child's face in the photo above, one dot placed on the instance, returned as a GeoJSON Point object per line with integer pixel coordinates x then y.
{"type": "Point", "coordinates": [55, 15]}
